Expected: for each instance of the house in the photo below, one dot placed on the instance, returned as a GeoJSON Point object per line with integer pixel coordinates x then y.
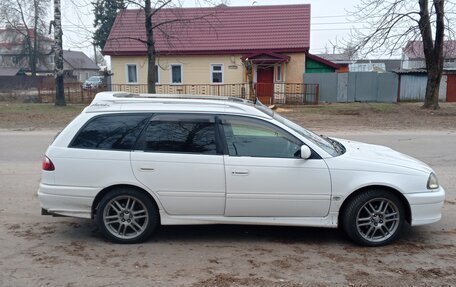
{"type": "Point", "coordinates": [316, 64]}
{"type": "Point", "coordinates": [13, 51]}
{"type": "Point", "coordinates": [207, 47]}
{"type": "Point", "coordinates": [342, 60]}
{"type": "Point", "coordinates": [413, 77]}
{"type": "Point", "coordinates": [14, 55]}
{"type": "Point", "coordinates": [413, 55]}
{"type": "Point", "coordinates": [77, 64]}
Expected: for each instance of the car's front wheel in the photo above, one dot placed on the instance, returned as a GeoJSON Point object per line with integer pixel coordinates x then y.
{"type": "Point", "coordinates": [374, 218]}
{"type": "Point", "coordinates": [126, 215]}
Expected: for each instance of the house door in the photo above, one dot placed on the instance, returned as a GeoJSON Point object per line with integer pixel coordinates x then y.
{"type": "Point", "coordinates": [451, 88]}
{"type": "Point", "coordinates": [265, 84]}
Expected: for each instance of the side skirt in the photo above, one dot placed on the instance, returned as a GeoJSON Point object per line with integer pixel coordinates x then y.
{"type": "Point", "coordinates": [328, 221]}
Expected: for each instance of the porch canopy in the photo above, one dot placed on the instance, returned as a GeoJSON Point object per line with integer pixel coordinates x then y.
{"type": "Point", "coordinates": [262, 58]}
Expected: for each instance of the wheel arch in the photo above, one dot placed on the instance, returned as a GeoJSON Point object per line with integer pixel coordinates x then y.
{"type": "Point", "coordinates": [408, 211]}
{"type": "Point", "coordinates": [106, 190]}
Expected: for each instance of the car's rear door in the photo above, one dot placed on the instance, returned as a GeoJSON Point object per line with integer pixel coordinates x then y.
{"type": "Point", "coordinates": [178, 158]}
{"type": "Point", "coordinates": [265, 175]}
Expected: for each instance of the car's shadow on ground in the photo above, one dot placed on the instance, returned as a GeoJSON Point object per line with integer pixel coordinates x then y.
{"type": "Point", "coordinates": [246, 233]}
{"type": "Point", "coordinates": [87, 230]}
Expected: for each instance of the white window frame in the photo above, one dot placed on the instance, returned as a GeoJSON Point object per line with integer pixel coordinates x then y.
{"type": "Point", "coordinates": [158, 75]}
{"type": "Point", "coordinates": [126, 73]}
{"type": "Point", "coordinates": [279, 75]}
{"type": "Point", "coordinates": [171, 74]}
{"type": "Point", "coordinates": [222, 71]}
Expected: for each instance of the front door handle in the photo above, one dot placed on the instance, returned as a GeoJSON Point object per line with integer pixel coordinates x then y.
{"type": "Point", "coordinates": [240, 172]}
{"type": "Point", "coordinates": [143, 168]}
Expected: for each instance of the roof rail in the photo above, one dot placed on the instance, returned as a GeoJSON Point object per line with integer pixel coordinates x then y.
{"type": "Point", "coordinates": [124, 96]}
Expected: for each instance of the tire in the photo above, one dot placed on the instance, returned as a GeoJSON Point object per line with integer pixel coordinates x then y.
{"type": "Point", "coordinates": [126, 215]}
{"type": "Point", "coordinates": [373, 218]}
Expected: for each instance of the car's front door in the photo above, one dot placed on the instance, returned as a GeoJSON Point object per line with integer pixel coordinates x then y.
{"type": "Point", "coordinates": [265, 175]}
{"type": "Point", "coordinates": [177, 157]}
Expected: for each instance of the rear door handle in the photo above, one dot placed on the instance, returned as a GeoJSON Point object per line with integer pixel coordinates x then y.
{"type": "Point", "coordinates": [147, 169]}
{"type": "Point", "coordinates": [240, 172]}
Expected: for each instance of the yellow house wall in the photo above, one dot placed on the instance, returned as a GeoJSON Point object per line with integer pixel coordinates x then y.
{"type": "Point", "coordinates": [295, 68]}
{"type": "Point", "coordinates": [197, 69]}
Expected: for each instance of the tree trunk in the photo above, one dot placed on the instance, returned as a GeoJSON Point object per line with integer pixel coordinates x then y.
{"type": "Point", "coordinates": [34, 58]}
{"type": "Point", "coordinates": [31, 55]}
{"type": "Point", "coordinates": [58, 61]}
{"type": "Point", "coordinates": [151, 74]}
{"type": "Point", "coordinates": [433, 50]}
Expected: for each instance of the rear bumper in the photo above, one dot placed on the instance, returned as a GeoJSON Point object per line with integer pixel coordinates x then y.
{"type": "Point", "coordinates": [426, 206]}
{"type": "Point", "coordinates": [67, 200]}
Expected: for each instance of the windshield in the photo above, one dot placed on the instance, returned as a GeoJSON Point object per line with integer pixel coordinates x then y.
{"type": "Point", "coordinates": [324, 143]}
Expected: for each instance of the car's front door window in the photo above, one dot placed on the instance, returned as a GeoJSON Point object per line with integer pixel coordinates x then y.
{"type": "Point", "coordinates": [256, 138]}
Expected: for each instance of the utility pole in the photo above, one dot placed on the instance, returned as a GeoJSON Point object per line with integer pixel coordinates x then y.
{"type": "Point", "coordinates": [58, 56]}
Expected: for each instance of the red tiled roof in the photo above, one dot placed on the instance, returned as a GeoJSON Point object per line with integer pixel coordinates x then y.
{"type": "Point", "coordinates": [414, 49]}
{"type": "Point", "coordinates": [280, 28]}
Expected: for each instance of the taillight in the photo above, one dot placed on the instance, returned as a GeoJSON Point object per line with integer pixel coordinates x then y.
{"type": "Point", "coordinates": [47, 164]}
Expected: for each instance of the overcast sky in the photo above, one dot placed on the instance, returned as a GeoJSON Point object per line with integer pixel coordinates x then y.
{"type": "Point", "coordinates": [330, 24]}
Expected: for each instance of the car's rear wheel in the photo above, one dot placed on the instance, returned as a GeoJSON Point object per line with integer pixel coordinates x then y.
{"type": "Point", "coordinates": [374, 218]}
{"type": "Point", "coordinates": [126, 215]}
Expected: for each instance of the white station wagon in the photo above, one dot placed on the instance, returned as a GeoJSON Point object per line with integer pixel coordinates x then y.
{"type": "Point", "coordinates": [132, 162]}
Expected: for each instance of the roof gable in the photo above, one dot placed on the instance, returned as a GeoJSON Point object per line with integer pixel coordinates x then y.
{"type": "Point", "coordinates": [79, 61]}
{"type": "Point", "coordinates": [219, 30]}
{"type": "Point", "coordinates": [323, 61]}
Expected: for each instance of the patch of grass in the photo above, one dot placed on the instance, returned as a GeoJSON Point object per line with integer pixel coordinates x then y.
{"type": "Point", "coordinates": [32, 116]}
{"type": "Point", "coordinates": [38, 108]}
{"type": "Point", "coordinates": [342, 108]}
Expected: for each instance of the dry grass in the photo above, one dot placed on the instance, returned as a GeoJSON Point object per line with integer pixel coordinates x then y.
{"type": "Point", "coordinates": [327, 117]}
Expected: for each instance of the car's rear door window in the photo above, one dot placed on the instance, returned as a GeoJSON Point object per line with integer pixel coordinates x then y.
{"type": "Point", "coordinates": [111, 132]}
{"type": "Point", "coordinates": [195, 134]}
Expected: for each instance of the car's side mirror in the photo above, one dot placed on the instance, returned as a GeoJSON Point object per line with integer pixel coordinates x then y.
{"type": "Point", "coordinates": [305, 152]}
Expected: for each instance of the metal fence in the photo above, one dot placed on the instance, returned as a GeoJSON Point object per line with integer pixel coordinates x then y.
{"type": "Point", "coordinates": [74, 93]}
{"type": "Point", "coordinates": [355, 86]}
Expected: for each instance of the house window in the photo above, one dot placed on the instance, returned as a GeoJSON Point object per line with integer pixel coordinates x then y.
{"type": "Point", "coordinates": [279, 73]}
{"type": "Point", "coordinates": [176, 74]}
{"type": "Point", "coordinates": [51, 59]}
{"type": "Point", "coordinates": [132, 74]}
{"type": "Point", "coordinates": [217, 73]}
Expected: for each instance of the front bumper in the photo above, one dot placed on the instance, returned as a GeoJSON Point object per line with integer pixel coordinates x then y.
{"type": "Point", "coordinates": [67, 200]}
{"type": "Point", "coordinates": [426, 207]}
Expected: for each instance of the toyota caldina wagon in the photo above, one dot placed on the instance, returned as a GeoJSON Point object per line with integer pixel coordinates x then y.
{"type": "Point", "coordinates": [132, 162]}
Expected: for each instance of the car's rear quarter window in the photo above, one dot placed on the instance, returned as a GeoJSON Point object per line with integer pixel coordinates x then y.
{"type": "Point", "coordinates": [111, 132]}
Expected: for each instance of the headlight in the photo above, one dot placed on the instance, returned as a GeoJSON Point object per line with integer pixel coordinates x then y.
{"type": "Point", "coordinates": [432, 183]}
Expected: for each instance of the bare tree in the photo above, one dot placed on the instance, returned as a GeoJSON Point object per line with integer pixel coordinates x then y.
{"type": "Point", "coordinates": [392, 24]}
{"type": "Point", "coordinates": [248, 64]}
{"type": "Point", "coordinates": [58, 58]}
{"type": "Point", "coordinates": [26, 18]}
{"type": "Point", "coordinates": [164, 26]}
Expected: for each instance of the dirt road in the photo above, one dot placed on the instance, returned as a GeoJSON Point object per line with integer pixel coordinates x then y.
{"type": "Point", "coordinates": [45, 251]}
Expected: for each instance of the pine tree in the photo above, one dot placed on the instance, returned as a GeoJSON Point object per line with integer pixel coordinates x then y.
{"type": "Point", "coordinates": [105, 13]}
